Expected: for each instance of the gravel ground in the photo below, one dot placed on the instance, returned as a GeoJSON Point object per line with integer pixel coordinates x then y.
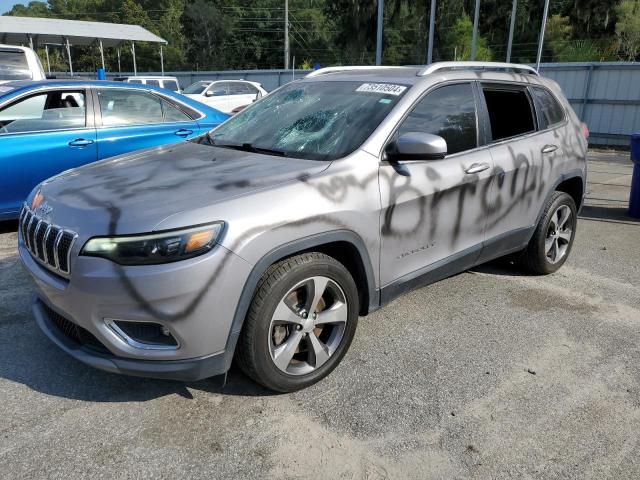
{"type": "Point", "coordinates": [489, 374]}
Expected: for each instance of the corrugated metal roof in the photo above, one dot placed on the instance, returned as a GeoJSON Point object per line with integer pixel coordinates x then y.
{"type": "Point", "coordinates": [16, 30]}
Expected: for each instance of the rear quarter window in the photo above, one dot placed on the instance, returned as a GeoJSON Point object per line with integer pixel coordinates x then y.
{"type": "Point", "coordinates": [549, 109]}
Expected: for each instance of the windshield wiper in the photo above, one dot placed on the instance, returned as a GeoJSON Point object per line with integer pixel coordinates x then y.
{"type": "Point", "coordinates": [248, 147]}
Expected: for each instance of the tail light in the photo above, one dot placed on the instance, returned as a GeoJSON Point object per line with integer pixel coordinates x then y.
{"type": "Point", "coordinates": [585, 130]}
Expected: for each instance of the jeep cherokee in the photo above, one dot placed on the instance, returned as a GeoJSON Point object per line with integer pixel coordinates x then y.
{"type": "Point", "coordinates": [265, 239]}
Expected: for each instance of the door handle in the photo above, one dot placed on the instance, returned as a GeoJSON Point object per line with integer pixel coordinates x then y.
{"type": "Point", "coordinates": [80, 142]}
{"type": "Point", "coordinates": [477, 168]}
{"type": "Point", "coordinates": [183, 132]}
{"type": "Point", "coordinates": [549, 148]}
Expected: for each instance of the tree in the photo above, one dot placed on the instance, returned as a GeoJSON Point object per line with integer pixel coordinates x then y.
{"type": "Point", "coordinates": [207, 27]}
{"type": "Point", "coordinates": [628, 28]}
{"type": "Point", "coordinates": [33, 9]}
{"type": "Point", "coordinates": [245, 34]}
{"type": "Point", "coordinates": [459, 38]}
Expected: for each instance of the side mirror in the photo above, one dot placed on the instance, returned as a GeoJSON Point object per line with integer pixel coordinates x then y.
{"type": "Point", "coordinates": [417, 146]}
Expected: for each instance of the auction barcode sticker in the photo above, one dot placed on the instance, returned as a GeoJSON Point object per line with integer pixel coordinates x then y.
{"type": "Point", "coordinates": [386, 88]}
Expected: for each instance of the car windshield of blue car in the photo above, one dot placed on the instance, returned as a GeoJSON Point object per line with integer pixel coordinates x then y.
{"type": "Point", "coordinates": [318, 120]}
{"type": "Point", "coordinates": [13, 65]}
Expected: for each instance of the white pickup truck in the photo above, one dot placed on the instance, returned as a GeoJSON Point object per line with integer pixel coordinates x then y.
{"type": "Point", "coordinates": [19, 63]}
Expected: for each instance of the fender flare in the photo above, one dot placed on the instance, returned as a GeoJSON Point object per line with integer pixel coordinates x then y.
{"type": "Point", "coordinates": [287, 250]}
{"type": "Point", "coordinates": [577, 173]}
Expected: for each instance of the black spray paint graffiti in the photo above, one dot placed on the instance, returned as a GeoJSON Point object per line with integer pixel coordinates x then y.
{"type": "Point", "coordinates": [336, 189]}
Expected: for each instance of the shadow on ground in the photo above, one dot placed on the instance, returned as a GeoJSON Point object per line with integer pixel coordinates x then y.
{"type": "Point", "coordinates": [8, 226]}
{"type": "Point", "coordinates": [501, 266]}
{"type": "Point", "coordinates": [607, 214]}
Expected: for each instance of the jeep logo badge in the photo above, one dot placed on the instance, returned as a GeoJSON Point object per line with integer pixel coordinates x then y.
{"type": "Point", "coordinates": [45, 209]}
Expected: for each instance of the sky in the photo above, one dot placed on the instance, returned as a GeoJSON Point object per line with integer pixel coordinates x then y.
{"type": "Point", "coordinates": [5, 5]}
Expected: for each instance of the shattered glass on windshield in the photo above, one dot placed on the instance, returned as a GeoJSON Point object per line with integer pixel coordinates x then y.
{"type": "Point", "coordinates": [314, 120]}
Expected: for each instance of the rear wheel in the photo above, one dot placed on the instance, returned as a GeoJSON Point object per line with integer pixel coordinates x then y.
{"type": "Point", "coordinates": [552, 240]}
{"type": "Point", "coordinates": [300, 324]}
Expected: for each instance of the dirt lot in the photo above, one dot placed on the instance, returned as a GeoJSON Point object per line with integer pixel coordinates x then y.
{"type": "Point", "coordinates": [489, 374]}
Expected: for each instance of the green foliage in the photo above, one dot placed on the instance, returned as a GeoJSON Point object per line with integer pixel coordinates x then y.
{"type": "Point", "coordinates": [628, 28]}
{"type": "Point", "coordinates": [307, 64]}
{"type": "Point", "coordinates": [558, 37]}
{"type": "Point", "coordinates": [460, 36]}
{"type": "Point", "coordinates": [246, 34]}
{"type": "Point", "coordinates": [33, 9]}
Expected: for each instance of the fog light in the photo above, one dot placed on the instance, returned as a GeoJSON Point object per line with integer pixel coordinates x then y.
{"type": "Point", "coordinates": [146, 335]}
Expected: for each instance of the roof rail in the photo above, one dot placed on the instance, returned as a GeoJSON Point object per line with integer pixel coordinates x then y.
{"type": "Point", "coordinates": [325, 70]}
{"type": "Point", "coordinates": [486, 66]}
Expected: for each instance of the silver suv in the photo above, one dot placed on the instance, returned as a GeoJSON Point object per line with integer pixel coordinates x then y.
{"type": "Point", "coordinates": [265, 239]}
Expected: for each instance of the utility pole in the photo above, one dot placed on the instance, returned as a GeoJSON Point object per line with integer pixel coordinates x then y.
{"type": "Point", "coordinates": [474, 40]}
{"type": "Point", "coordinates": [541, 39]}
{"type": "Point", "coordinates": [432, 22]}
{"type": "Point", "coordinates": [379, 34]}
{"type": "Point", "coordinates": [286, 34]}
{"type": "Point", "coordinates": [511, 27]}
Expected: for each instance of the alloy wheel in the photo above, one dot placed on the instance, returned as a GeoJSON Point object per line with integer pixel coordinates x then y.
{"type": "Point", "coordinates": [308, 325]}
{"type": "Point", "coordinates": [559, 234]}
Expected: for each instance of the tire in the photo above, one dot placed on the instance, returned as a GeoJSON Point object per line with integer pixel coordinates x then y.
{"type": "Point", "coordinates": [539, 257]}
{"type": "Point", "coordinates": [282, 320]}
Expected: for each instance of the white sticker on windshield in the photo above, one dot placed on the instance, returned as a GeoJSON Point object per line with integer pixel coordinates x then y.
{"type": "Point", "coordinates": [385, 88]}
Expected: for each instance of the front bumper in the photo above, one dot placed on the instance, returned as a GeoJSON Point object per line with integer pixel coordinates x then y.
{"type": "Point", "coordinates": [185, 370]}
{"type": "Point", "coordinates": [194, 299]}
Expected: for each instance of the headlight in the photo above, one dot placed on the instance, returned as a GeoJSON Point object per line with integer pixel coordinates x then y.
{"type": "Point", "coordinates": [154, 248]}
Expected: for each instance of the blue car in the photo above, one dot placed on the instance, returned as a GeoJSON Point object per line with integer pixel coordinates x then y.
{"type": "Point", "coordinates": [48, 126]}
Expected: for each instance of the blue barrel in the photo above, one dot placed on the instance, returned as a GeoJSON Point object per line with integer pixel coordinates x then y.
{"type": "Point", "coordinates": [102, 74]}
{"type": "Point", "coordinates": [634, 197]}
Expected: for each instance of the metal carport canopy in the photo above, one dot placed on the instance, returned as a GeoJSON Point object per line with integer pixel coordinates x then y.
{"type": "Point", "coordinates": [50, 31]}
{"type": "Point", "coordinates": [17, 30]}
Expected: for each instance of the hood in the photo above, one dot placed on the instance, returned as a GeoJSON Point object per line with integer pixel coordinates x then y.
{"type": "Point", "coordinates": [133, 193]}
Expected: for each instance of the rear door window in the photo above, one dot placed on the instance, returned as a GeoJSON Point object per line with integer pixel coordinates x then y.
{"type": "Point", "coordinates": [510, 111]}
{"type": "Point", "coordinates": [219, 89]}
{"type": "Point", "coordinates": [57, 110]}
{"type": "Point", "coordinates": [238, 88]}
{"type": "Point", "coordinates": [129, 107]}
{"type": "Point", "coordinates": [549, 109]}
{"type": "Point", "coordinates": [449, 112]}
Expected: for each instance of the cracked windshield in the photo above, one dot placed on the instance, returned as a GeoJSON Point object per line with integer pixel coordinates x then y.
{"type": "Point", "coordinates": [310, 120]}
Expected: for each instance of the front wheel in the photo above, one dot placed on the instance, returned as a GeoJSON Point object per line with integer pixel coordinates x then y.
{"type": "Point", "coordinates": [300, 324]}
{"type": "Point", "coordinates": [553, 238]}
